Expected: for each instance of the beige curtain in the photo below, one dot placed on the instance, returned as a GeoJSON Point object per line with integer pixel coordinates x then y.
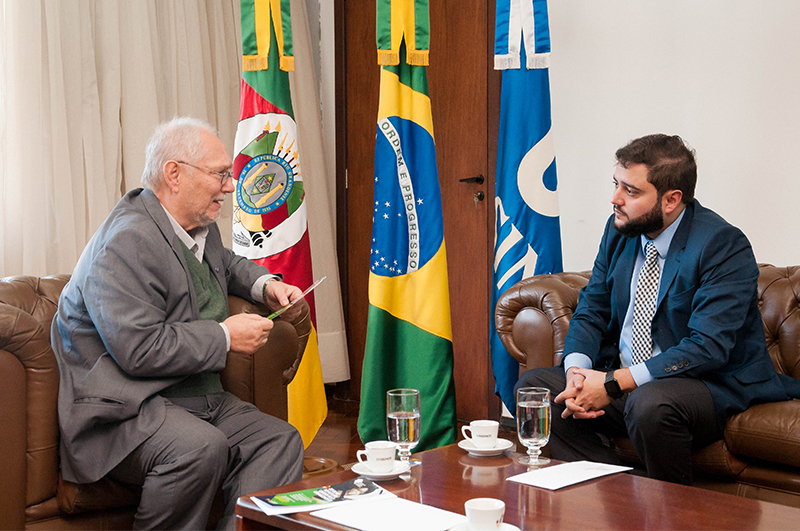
{"type": "Point", "coordinates": [82, 85]}
{"type": "Point", "coordinates": [84, 82]}
{"type": "Point", "coordinates": [321, 202]}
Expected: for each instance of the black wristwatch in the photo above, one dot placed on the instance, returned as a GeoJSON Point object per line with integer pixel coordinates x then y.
{"type": "Point", "coordinates": [612, 386]}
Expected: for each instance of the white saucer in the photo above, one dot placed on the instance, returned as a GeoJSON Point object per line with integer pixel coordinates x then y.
{"type": "Point", "coordinates": [501, 446]}
{"type": "Point", "coordinates": [465, 527]}
{"type": "Point", "coordinates": [362, 469]}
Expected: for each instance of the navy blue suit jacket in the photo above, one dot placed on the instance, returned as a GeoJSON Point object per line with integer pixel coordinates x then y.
{"type": "Point", "coordinates": [707, 321]}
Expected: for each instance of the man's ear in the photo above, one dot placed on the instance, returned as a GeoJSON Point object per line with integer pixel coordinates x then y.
{"type": "Point", "coordinates": [172, 175]}
{"type": "Point", "coordinates": [671, 201]}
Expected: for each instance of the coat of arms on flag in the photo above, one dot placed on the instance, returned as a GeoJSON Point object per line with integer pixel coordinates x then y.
{"type": "Point", "coordinates": [267, 180]}
{"type": "Point", "coordinates": [269, 219]}
{"type": "Point", "coordinates": [269, 187]}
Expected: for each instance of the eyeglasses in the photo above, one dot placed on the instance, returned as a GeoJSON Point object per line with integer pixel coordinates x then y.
{"type": "Point", "coordinates": [223, 176]}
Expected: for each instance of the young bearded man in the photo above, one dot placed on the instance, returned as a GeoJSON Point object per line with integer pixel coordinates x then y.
{"type": "Point", "coordinates": [667, 340]}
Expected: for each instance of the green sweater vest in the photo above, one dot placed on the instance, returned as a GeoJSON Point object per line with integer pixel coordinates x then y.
{"type": "Point", "coordinates": [213, 307]}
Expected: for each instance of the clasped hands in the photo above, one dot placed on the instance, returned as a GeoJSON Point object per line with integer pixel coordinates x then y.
{"type": "Point", "coordinates": [250, 331]}
{"type": "Point", "coordinates": [585, 395]}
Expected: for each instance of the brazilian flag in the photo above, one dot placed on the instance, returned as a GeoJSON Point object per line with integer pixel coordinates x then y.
{"type": "Point", "coordinates": [409, 339]}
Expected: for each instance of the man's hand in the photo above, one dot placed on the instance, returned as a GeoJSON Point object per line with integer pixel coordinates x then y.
{"type": "Point", "coordinates": [278, 294]}
{"type": "Point", "coordinates": [568, 395]}
{"type": "Point", "coordinates": [248, 331]}
{"type": "Point", "coordinates": [585, 395]}
{"type": "Point", "coordinates": [593, 397]}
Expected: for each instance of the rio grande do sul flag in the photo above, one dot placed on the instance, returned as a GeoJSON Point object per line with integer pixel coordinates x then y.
{"type": "Point", "coordinates": [409, 339]}
{"type": "Point", "coordinates": [269, 218]}
{"type": "Point", "coordinates": [528, 235]}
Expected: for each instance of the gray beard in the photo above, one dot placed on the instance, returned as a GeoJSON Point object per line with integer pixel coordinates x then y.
{"type": "Point", "coordinates": [202, 220]}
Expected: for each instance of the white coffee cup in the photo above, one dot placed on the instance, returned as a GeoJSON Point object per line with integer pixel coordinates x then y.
{"type": "Point", "coordinates": [484, 433]}
{"type": "Point", "coordinates": [379, 455]}
{"type": "Point", "coordinates": [484, 514]}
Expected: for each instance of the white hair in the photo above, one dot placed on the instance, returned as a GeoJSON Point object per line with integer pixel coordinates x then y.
{"type": "Point", "coordinates": [176, 139]}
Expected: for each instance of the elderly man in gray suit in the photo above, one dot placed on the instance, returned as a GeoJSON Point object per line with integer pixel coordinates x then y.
{"type": "Point", "coordinates": [142, 333]}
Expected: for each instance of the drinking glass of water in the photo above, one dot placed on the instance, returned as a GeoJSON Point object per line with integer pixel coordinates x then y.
{"type": "Point", "coordinates": [533, 422]}
{"type": "Point", "coordinates": [403, 420]}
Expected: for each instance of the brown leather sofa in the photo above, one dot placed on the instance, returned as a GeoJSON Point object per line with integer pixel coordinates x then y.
{"type": "Point", "coordinates": [760, 454]}
{"type": "Point", "coordinates": [32, 493]}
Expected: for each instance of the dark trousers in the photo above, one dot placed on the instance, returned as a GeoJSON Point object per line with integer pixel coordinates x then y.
{"type": "Point", "coordinates": [203, 443]}
{"type": "Point", "coordinates": [665, 419]}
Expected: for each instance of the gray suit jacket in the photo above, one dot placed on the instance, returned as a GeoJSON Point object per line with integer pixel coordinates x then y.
{"type": "Point", "coordinates": [127, 327]}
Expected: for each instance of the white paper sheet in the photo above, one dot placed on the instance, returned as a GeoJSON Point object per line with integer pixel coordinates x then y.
{"type": "Point", "coordinates": [273, 509]}
{"type": "Point", "coordinates": [393, 514]}
{"type": "Point", "coordinates": [558, 476]}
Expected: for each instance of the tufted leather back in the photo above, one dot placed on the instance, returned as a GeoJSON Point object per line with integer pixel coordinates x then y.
{"type": "Point", "coordinates": [532, 317]}
{"type": "Point", "coordinates": [778, 300]}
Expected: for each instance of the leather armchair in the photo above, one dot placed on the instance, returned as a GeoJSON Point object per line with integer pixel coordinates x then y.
{"type": "Point", "coordinates": [760, 454]}
{"type": "Point", "coordinates": [34, 494]}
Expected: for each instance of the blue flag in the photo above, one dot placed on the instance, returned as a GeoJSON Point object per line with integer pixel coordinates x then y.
{"type": "Point", "coordinates": [528, 235]}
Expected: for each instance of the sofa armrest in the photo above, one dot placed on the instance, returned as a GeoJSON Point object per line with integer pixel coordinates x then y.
{"type": "Point", "coordinates": [770, 432]}
{"type": "Point", "coordinates": [532, 317]}
{"type": "Point", "coordinates": [262, 377]}
{"type": "Point", "coordinates": [30, 396]}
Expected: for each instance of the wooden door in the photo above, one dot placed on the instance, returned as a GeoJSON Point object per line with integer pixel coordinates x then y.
{"type": "Point", "coordinates": [465, 101]}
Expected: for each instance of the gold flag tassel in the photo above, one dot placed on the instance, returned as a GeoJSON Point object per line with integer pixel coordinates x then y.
{"type": "Point", "coordinates": [388, 57]}
{"type": "Point", "coordinates": [269, 14]}
{"type": "Point", "coordinates": [399, 20]}
{"type": "Point", "coordinates": [417, 57]}
{"type": "Point", "coordinates": [287, 63]}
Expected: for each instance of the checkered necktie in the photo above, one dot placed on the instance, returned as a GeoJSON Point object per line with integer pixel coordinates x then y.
{"type": "Point", "coordinates": [644, 306]}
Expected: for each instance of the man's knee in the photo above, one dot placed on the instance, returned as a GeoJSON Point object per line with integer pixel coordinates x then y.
{"type": "Point", "coordinates": [295, 448]}
{"type": "Point", "coordinates": [182, 444]}
{"type": "Point", "coordinates": [284, 436]}
{"type": "Point", "coordinates": [292, 444]}
{"type": "Point", "coordinates": [213, 451]}
{"type": "Point", "coordinates": [276, 447]}
{"type": "Point", "coordinates": [276, 435]}
{"type": "Point", "coordinates": [294, 441]}
{"type": "Point", "coordinates": [552, 378]}
{"type": "Point", "coordinates": [678, 406]}
{"type": "Point", "coordinates": [648, 412]}
{"type": "Point", "coordinates": [201, 453]}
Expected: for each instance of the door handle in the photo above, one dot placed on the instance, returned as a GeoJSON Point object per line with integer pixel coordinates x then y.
{"type": "Point", "coordinates": [477, 179]}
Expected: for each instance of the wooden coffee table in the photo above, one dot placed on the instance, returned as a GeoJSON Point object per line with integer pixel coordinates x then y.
{"type": "Point", "coordinates": [448, 477]}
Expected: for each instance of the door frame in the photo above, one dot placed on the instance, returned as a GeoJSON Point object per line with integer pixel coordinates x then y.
{"type": "Point", "coordinates": [490, 403]}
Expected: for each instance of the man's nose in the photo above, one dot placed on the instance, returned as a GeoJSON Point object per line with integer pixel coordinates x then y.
{"type": "Point", "coordinates": [616, 197]}
{"type": "Point", "coordinates": [228, 186]}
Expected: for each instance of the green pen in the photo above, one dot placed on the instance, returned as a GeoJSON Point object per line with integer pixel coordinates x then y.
{"type": "Point", "coordinates": [276, 313]}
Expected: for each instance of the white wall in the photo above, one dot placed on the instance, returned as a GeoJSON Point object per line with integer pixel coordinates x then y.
{"type": "Point", "coordinates": [723, 74]}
